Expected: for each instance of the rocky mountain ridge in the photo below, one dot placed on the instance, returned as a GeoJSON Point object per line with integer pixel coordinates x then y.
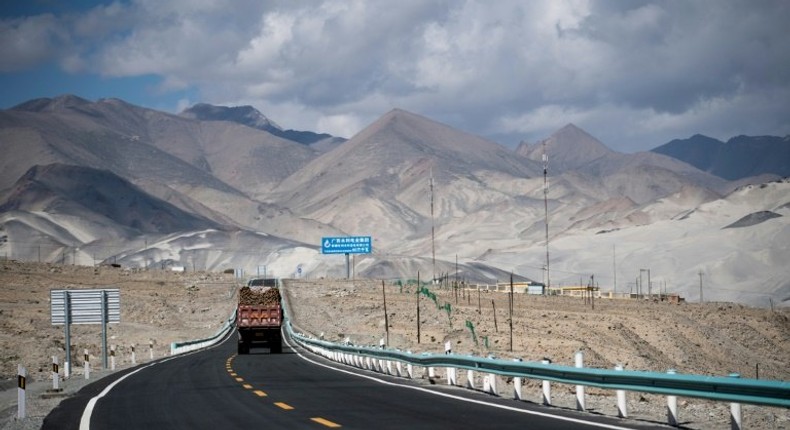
{"type": "Point", "coordinates": [428, 194]}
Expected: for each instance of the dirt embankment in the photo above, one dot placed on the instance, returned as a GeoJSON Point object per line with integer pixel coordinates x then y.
{"type": "Point", "coordinates": [157, 307]}
{"type": "Point", "coordinates": [705, 339]}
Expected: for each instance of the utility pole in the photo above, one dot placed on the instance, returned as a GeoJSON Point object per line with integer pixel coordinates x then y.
{"type": "Point", "coordinates": [546, 209]}
{"type": "Point", "coordinates": [433, 233]}
{"type": "Point", "coordinates": [418, 307]}
{"type": "Point", "coordinates": [614, 268]}
{"type": "Point", "coordinates": [648, 280]}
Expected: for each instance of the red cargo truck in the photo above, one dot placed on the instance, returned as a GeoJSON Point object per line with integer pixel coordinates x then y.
{"type": "Point", "coordinates": [259, 317]}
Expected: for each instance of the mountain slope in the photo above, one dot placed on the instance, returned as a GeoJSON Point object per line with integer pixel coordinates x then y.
{"type": "Point", "coordinates": [75, 131]}
{"type": "Point", "coordinates": [99, 196]}
{"type": "Point", "coordinates": [382, 175]}
{"type": "Point", "coordinates": [251, 117]}
{"type": "Point", "coordinates": [738, 158]}
{"type": "Point", "coordinates": [567, 149]}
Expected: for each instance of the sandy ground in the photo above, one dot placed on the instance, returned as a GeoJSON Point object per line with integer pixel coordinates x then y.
{"type": "Point", "coordinates": [163, 307]}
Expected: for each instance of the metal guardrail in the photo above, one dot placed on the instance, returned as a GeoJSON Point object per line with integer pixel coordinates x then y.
{"type": "Point", "coordinates": [727, 388]}
{"type": "Point", "coordinates": [192, 345]}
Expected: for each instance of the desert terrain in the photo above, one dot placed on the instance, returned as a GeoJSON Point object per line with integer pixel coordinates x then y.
{"type": "Point", "coordinates": [163, 307]}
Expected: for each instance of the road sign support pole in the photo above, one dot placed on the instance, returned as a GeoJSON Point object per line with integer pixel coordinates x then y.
{"type": "Point", "coordinates": [67, 329]}
{"type": "Point", "coordinates": [348, 267]}
{"type": "Point", "coordinates": [104, 329]}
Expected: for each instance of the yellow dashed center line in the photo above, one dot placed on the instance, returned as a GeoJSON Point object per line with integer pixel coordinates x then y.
{"type": "Point", "coordinates": [284, 406]}
{"type": "Point", "coordinates": [326, 422]}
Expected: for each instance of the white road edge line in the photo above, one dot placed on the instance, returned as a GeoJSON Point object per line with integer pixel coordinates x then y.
{"type": "Point", "coordinates": [85, 420]}
{"type": "Point", "coordinates": [464, 399]}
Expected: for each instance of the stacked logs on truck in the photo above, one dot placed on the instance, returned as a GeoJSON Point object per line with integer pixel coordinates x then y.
{"type": "Point", "coordinates": [254, 296]}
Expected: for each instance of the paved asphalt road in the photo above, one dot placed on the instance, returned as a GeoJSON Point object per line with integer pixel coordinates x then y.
{"type": "Point", "coordinates": [216, 389]}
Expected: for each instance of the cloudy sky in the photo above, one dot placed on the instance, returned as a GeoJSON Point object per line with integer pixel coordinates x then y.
{"type": "Point", "coordinates": [635, 74]}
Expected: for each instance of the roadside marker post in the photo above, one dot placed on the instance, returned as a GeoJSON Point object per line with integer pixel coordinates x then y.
{"type": "Point", "coordinates": [87, 365]}
{"type": "Point", "coordinates": [55, 374]}
{"type": "Point", "coordinates": [546, 386]}
{"type": "Point", "coordinates": [622, 408]}
{"type": "Point", "coordinates": [580, 388]}
{"type": "Point", "coordinates": [134, 359]}
{"type": "Point", "coordinates": [736, 420]}
{"type": "Point", "coordinates": [20, 396]}
{"type": "Point", "coordinates": [112, 357]}
{"type": "Point", "coordinates": [672, 406]}
{"type": "Point", "coordinates": [151, 349]}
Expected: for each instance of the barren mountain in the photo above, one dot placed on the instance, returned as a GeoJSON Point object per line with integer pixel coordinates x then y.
{"type": "Point", "coordinates": [420, 188]}
{"type": "Point", "coordinates": [249, 116]}
{"type": "Point", "coordinates": [383, 175]}
{"type": "Point", "coordinates": [567, 149]}
{"type": "Point", "coordinates": [738, 158]}
{"type": "Point", "coordinates": [135, 141]}
{"type": "Point", "coordinates": [99, 196]}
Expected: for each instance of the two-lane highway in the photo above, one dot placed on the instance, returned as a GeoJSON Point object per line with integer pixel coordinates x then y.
{"type": "Point", "coordinates": [218, 389]}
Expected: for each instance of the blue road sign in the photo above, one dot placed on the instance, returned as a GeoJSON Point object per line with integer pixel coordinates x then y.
{"type": "Point", "coordinates": [346, 245]}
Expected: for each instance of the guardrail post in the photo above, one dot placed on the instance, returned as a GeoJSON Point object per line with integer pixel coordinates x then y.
{"type": "Point", "coordinates": [517, 384]}
{"type": "Point", "coordinates": [451, 371]}
{"type": "Point", "coordinates": [399, 368]}
{"type": "Point", "coordinates": [470, 379]}
{"type": "Point", "coordinates": [55, 374]}
{"type": "Point", "coordinates": [492, 388]}
{"type": "Point", "coordinates": [736, 422]}
{"type": "Point", "coordinates": [410, 368]}
{"type": "Point", "coordinates": [431, 372]}
{"type": "Point", "coordinates": [622, 408]}
{"type": "Point", "coordinates": [134, 358]}
{"type": "Point", "coordinates": [672, 406]}
{"type": "Point", "coordinates": [87, 359]}
{"type": "Point", "coordinates": [21, 411]}
{"type": "Point", "coordinates": [580, 388]}
{"type": "Point", "coordinates": [546, 386]}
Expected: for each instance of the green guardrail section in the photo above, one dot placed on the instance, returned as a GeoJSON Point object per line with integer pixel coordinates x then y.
{"type": "Point", "coordinates": [226, 327]}
{"type": "Point", "coordinates": [724, 388]}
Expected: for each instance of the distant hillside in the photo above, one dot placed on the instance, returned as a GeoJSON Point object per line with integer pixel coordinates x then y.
{"type": "Point", "coordinates": [251, 117]}
{"type": "Point", "coordinates": [738, 158]}
{"type": "Point", "coordinates": [99, 196]}
{"type": "Point", "coordinates": [568, 148]}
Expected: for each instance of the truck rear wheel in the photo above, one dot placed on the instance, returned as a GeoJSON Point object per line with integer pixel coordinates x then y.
{"type": "Point", "coordinates": [243, 348]}
{"type": "Point", "coordinates": [277, 347]}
